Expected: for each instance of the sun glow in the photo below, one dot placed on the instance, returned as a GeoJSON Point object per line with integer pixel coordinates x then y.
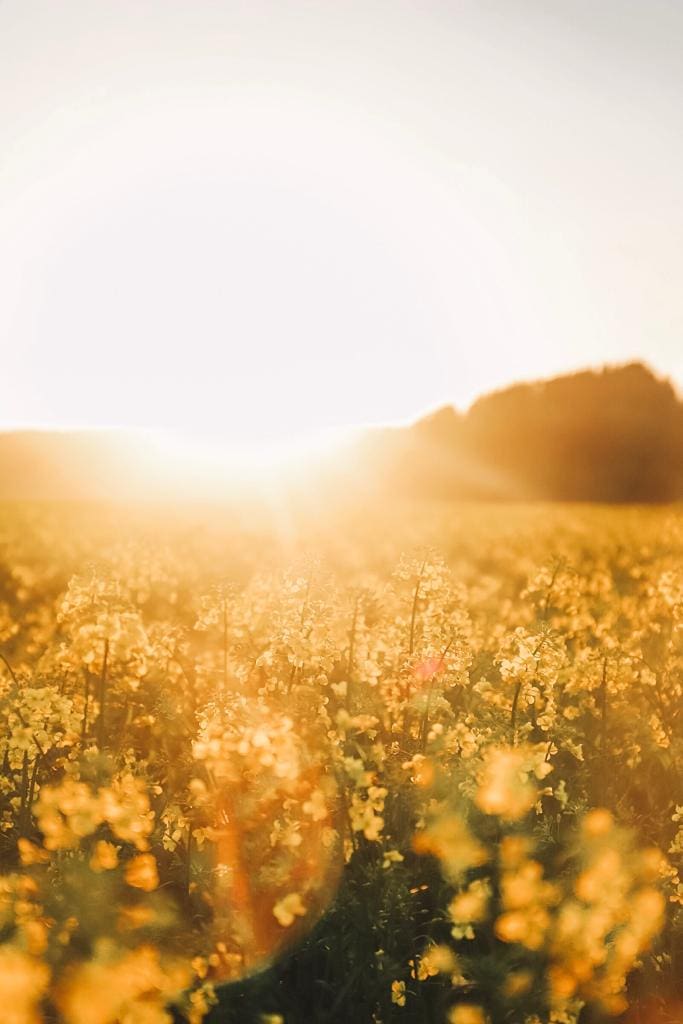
{"type": "Point", "coordinates": [251, 262]}
{"type": "Point", "coordinates": [208, 462]}
{"type": "Point", "coordinates": [256, 227]}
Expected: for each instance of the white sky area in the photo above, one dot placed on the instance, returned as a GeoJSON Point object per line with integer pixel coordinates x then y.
{"type": "Point", "coordinates": [263, 220]}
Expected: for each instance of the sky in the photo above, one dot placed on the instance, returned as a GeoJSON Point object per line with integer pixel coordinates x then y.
{"type": "Point", "coordinates": [264, 220]}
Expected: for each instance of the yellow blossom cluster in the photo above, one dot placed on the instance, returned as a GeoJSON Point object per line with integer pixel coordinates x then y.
{"type": "Point", "coordinates": [410, 725]}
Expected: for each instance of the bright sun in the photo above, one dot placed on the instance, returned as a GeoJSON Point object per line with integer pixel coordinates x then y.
{"type": "Point", "coordinates": [266, 284]}
{"type": "Point", "coordinates": [211, 462]}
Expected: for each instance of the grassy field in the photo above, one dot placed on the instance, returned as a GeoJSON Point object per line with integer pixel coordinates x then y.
{"type": "Point", "coordinates": [408, 764]}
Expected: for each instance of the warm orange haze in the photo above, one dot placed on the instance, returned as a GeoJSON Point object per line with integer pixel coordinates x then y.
{"type": "Point", "coordinates": [610, 435]}
{"type": "Point", "coordinates": [341, 512]}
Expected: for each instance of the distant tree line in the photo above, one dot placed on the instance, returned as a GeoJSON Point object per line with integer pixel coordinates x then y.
{"type": "Point", "coordinates": [614, 435]}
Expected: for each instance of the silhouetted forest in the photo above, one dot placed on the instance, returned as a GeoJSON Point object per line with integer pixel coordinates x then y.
{"type": "Point", "coordinates": [611, 435]}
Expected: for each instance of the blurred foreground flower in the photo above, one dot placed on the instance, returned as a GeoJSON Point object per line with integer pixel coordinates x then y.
{"type": "Point", "coordinates": [578, 922]}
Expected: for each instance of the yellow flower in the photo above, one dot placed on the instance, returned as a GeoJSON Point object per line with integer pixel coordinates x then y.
{"type": "Point", "coordinates": [316, 806]}
{"type": "Point", "coordinates": [141, 872]}
{"type": "Point", "coordinates": [23, 982]}
{"type": "Point", "coordinates": [598, 822]}
{"type": "Point", "coordinates": [435, 960]}
{"type": "Point", "coordinates": [398, 993]}
{"type": "Point", "coordinates": [504, 785]}
{"type": "Point", "coordinates": [449, 839]}
{"type": "Point", "coordinates": [527, 927]}
{"type": "Point", "coordinates": [133, 988]}
{"type": "Point", "coordinates": [288, 908]}
{"type": "Point", "coordinates": [105, 856]}
{"type": "Point", "coordinates": [471, 904]}
{"type": "Point", "coordinates": [30, 854]}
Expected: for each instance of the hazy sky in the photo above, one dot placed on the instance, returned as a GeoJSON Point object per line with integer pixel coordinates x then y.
{"type": "Point", "coordinates": [277, 217]}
